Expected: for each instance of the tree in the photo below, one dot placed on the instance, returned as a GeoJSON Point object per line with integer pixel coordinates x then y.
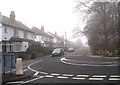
{"type": "Point", "coordinates": [101, 23]}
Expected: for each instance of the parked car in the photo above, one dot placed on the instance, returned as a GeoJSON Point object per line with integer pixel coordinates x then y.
{"type": "Point", "coordinates": [71, 50]}
{"type": "Point", "coordinates": [58, 52]}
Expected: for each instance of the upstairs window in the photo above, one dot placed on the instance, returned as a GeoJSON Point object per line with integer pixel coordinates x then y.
{"type": "Point", "coordinates": [5, 30]}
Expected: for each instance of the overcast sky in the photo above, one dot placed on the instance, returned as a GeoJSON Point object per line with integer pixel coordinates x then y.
{"type": "Point", "coordinates": [54, 15]}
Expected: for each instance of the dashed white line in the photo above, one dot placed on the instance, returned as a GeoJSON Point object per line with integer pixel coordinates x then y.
{"type": "Point", "coordinates": [114, 78]}
{"type": "Point", "coordinates": [36, 74]}
{"type": "Point", "coordinates": [78, 78]}
{"type": "Point", "coordinates": [63, 77]}
{"type": "Point", "coordinates": [54, 74]}
{"type": "Point", "coordinates": [49, 76]}
{"type": "Point", "coordinates": [99, 76]}
{"type": "Point", "coordinates": [16, 82]}
{"type": "Point", "coordinates": [67, 75]}
{"type": "Point", "coordinates": [95, 78]}
{"type": "Point", "coordinates": [82, 75]}
{"type": "Point", "coordinates": [33, 79]}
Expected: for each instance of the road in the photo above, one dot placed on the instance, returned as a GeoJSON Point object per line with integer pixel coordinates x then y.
{"type": "Point", "coordinates": [74, 68]}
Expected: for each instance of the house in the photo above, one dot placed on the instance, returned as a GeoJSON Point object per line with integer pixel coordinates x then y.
{"type": "Point", "coordinates": [15, 35]}
{"type": "Point", "coordinates": [58, 41]}
{"type": "Point", "coordinates": [44, 38]}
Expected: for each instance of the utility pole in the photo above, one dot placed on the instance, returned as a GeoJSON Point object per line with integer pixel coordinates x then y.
{"type": "Point", "coordinates": [118, 27]}
{"type": "Point", "coordinates": [65, 41]}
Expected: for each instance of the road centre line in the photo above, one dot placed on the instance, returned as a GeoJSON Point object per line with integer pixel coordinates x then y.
{"type": "Point", "coordinates": [78, 78]}
{"type": "Point", "coordinates": [54, 74]}
{"type": "Point", "coordinates": [99, 76]}
{"type": "Point", "coordinates": [95, 78]}
{"type": "Point", "coordinates": [63, 77]}
{"type": "Point", "coordinates": [82, 75]}
{"type": "Point", "coordinates": [49, 76]}
{"type": "Point", "coordinates": [114, 78]}
{"type": "Point", "coordinates": [67, 75]}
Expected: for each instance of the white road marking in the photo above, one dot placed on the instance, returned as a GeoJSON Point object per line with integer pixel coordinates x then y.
{"type": "Point", "coordinates": [114, 78]}
{"type": "Point", "coordinates": [82, 75]}
{"type": "Point", "coordinates": [33, 79]}
{"type": "Point", "coordinates": [42, 72]}
{"type": "Point", "coordinates": [64, 61]}
{"type": "Point", "coordinates": [78, 78]}
{"type": "Point", "coordinates": [36, 74]}
{"type": "Point", "coordinates": [15, 70]}
{"type": "Point", "coordinates": [35, 70]}
{"type": "Point", "coordinates": [54, 74]}
{"type": "Point", "coordinates": [63, 77]}
{"type": "Point", "coordinates": [99, 76]}
{"type": "Point", "coordinates": [25, 70]}
{"type": "Point", "coordinates": [10, 71]}
{"type": "Point", "coordinates": [49, 76]}
{"type": "Point", "coordinates": [15, 82]}
{"type": "Point", "coordinates": [95, 78]}
{"type": "Point", "coordinates": [32, 64]}
{"type": "Point", "coordinates": [67, 75]}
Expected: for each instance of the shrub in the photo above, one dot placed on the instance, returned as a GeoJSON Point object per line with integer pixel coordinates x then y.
{"type": "Point", "coordinates": [35, 47]}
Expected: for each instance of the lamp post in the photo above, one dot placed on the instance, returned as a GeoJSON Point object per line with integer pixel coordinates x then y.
{"type": "Point", "coordinates": [118, 27]}
{"type": "Point", "coordinates": [65, 41]}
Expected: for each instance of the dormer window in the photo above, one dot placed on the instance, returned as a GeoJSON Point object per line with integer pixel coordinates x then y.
{"type": "Point", "coordinates": [5, 30]}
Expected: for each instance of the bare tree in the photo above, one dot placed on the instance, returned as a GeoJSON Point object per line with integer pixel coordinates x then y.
{"type": "Point", "coordinates": [101, 23]}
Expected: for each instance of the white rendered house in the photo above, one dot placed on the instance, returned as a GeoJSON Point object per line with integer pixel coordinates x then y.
{"type": "Point", "coordinates": [44, 38]}
{"type": "Point", "coordinates": [15, 35]}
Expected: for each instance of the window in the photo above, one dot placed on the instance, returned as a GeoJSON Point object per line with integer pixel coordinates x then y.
{"type": "Point", "coordinates": [17, 46]}
{"type": "Point", "coordinates": [16, 33]}
{"type": "Point", "coordinates": [5, 30]}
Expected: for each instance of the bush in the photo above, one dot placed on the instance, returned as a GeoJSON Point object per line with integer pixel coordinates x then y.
{"type": "Point", "coordinates": [36, 48]}
{"type": "Point", "coordinates": [47, 50]}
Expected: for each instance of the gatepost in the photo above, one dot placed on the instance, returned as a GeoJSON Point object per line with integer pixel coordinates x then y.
{"type": "Point", "coordinates": [19, 66]}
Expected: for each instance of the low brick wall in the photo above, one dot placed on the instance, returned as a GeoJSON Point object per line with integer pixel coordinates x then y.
{"type": "Point", "coordinates": [23, 55]}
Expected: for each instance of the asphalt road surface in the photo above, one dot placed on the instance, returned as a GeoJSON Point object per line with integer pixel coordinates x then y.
{"type": "Point", "coordinates": [74, 68]}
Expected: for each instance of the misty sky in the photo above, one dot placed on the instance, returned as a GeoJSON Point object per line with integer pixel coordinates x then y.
{"type": "Point", "coordinates": [54, 15]}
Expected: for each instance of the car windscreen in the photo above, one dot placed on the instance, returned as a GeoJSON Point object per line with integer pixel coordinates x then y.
{"type": "Point", "coordinates": [56, 50]}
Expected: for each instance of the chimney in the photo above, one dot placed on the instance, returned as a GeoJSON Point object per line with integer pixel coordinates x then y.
{"type": "Point", "coordinates": [42, 28]}
{"type": "Point", "coordinates": [12, 15]}
{"type": "Point", "coordinates": [55, 33]}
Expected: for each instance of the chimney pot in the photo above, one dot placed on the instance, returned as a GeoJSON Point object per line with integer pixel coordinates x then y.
{"type": "Point", "coordinates": [12, 15]}
{"type": "Point", "coordinates": [42, 28]}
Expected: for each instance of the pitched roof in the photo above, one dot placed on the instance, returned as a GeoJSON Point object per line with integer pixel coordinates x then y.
{"type": "Point", "coordinates": [16, 24]}
{"type": "Point", "coordinates": [40, 32]}
{"type": "Point", "coordinates": [57, 36]}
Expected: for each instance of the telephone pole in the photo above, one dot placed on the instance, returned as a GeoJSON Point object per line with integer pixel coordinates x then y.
{"type": "Point", "coordinates": [65, 41]}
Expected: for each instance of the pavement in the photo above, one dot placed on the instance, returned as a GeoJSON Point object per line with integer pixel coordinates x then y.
{"type": "Point", "coordinates": [8, 76]}
{"type": "Point", "coordinates": [77, 55]}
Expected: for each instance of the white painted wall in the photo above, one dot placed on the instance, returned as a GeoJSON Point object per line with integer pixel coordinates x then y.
{"type": "Point", "coordinates": [9, 34]}
{"type": "Point", "coordinates": [0, 32]}
{"type": "Point", "coordinates": [20, 33]}
{"type": "Point", "coordinates": [38, 38]}
{"type": "Point", "coordinates": [24, 46]}
{"type": "Point", "coordinates": [30, 36]}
